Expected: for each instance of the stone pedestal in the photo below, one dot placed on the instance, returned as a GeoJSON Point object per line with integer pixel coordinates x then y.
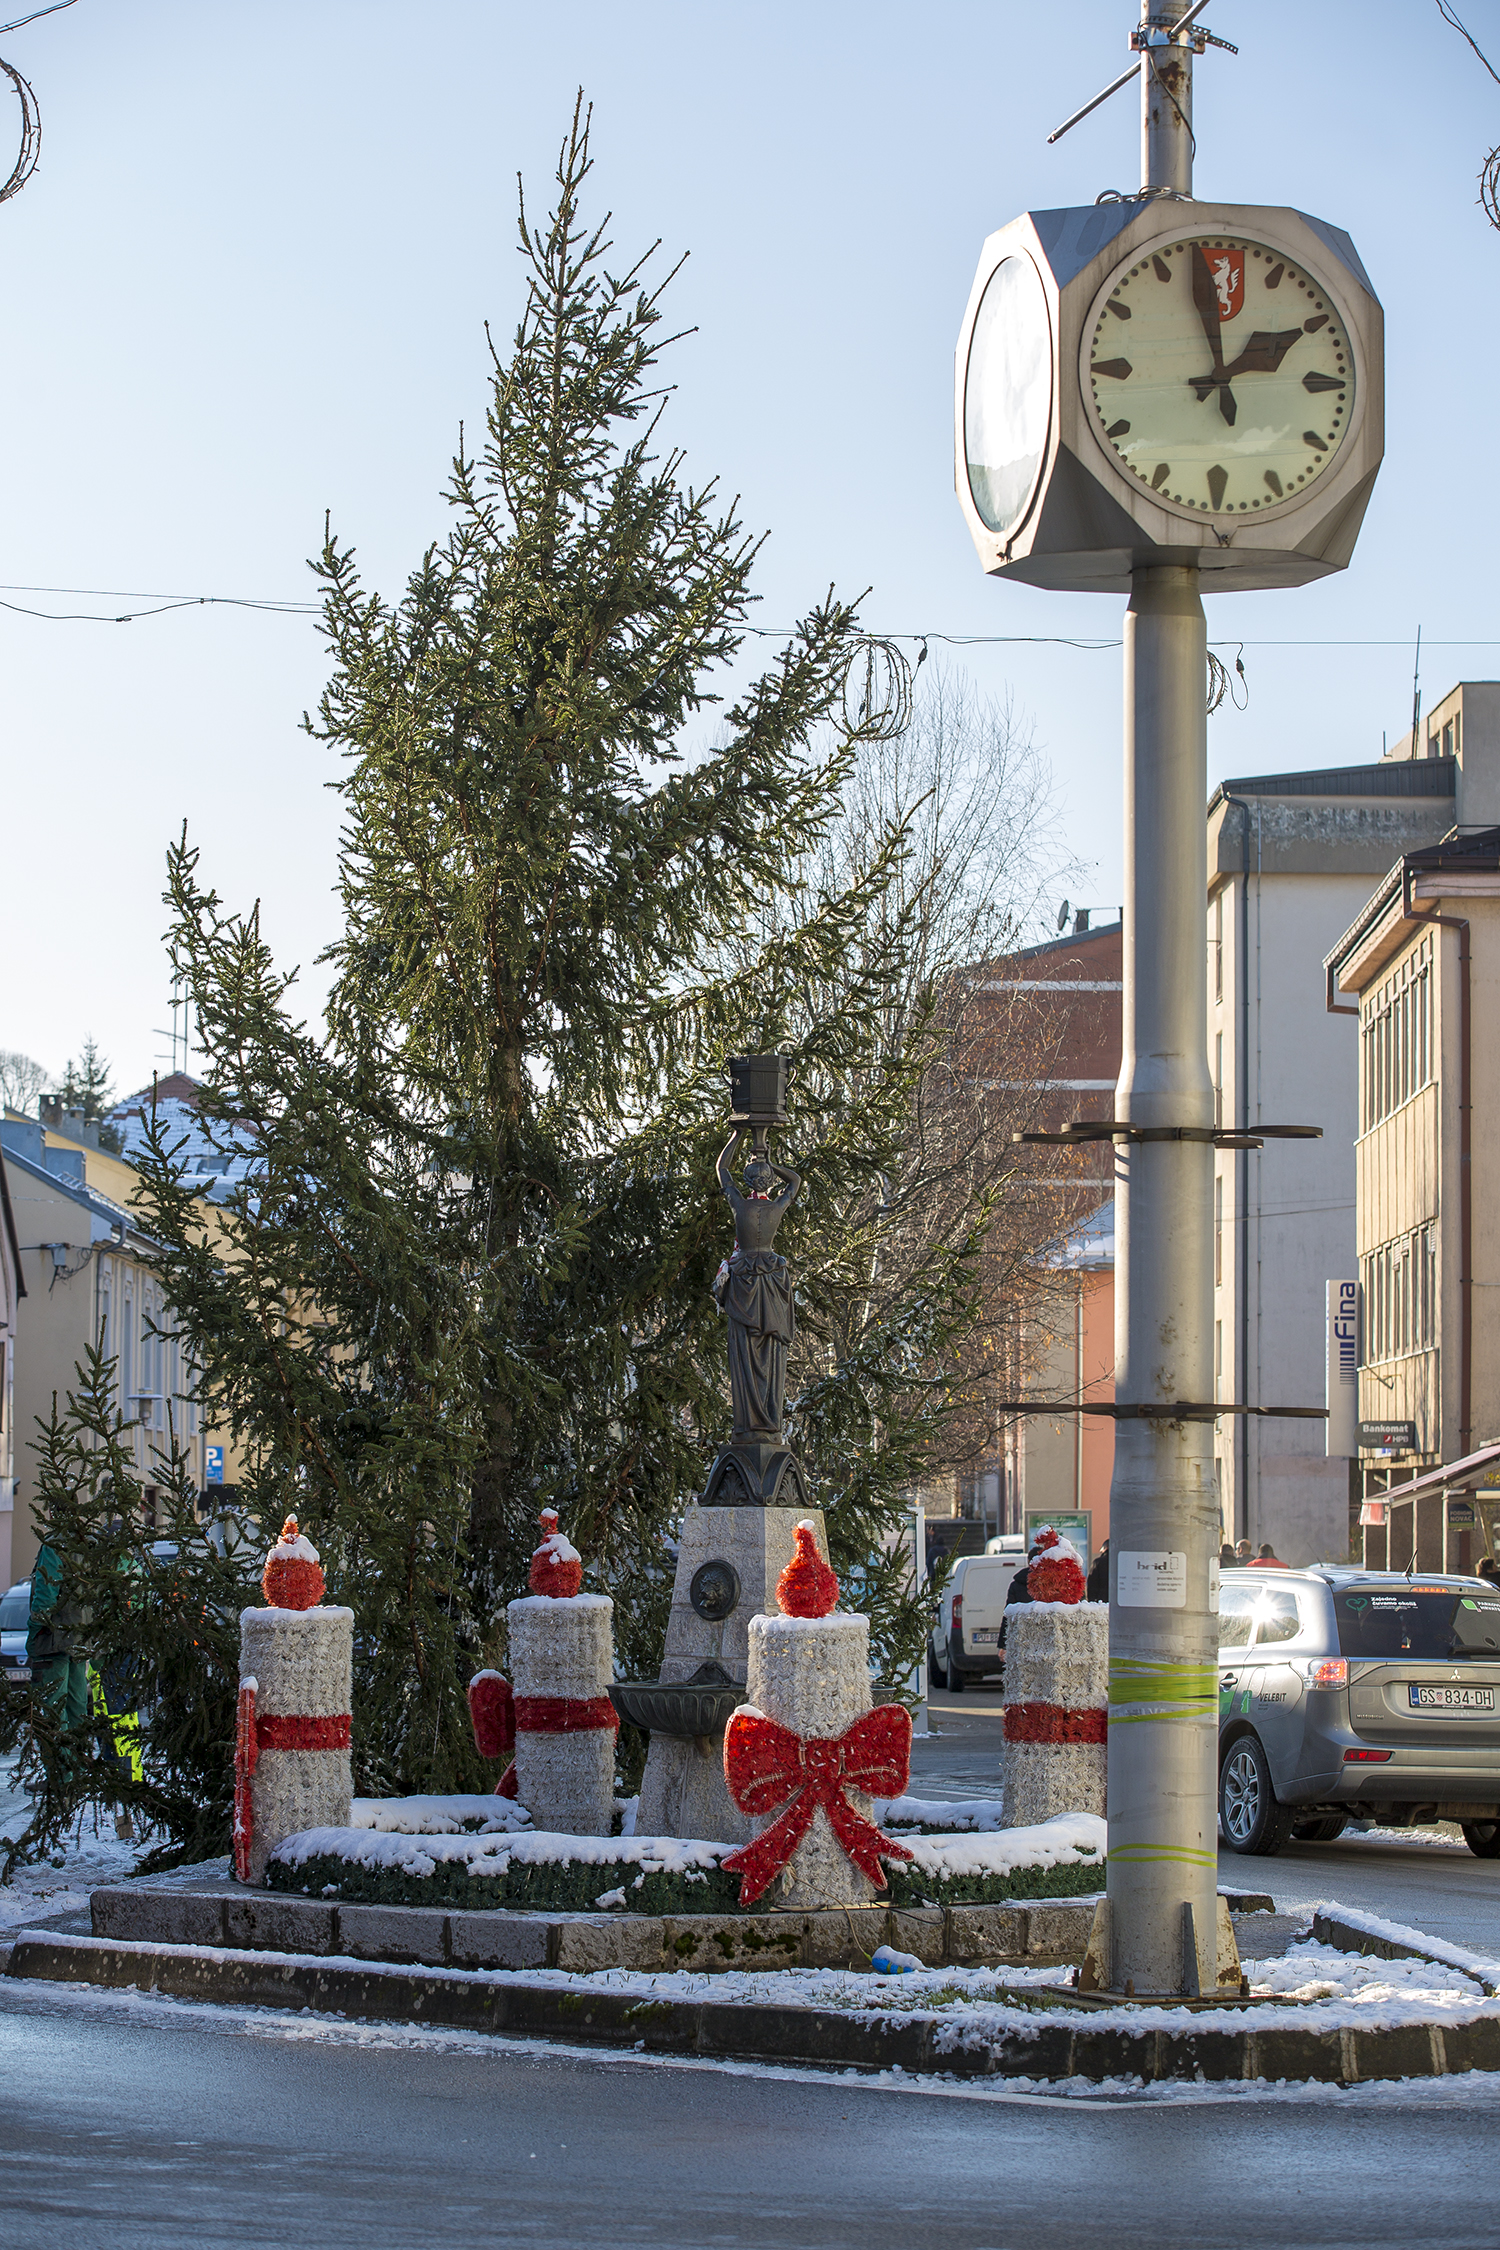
{"type": "Point", "coordinates": [1056, 1699]}
{"type": "Point", "coordinates": [563, 1651]}
{"type": "Point", "coordinates": [684, 1792]}
{"type": "Point", "coordinates": [812, 1675]}
{"type": "Point", "coordinates": [301, 1664]}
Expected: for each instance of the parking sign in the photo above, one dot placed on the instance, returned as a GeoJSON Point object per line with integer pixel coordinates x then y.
{"type": "Point", "coordinates": [213, 1457]}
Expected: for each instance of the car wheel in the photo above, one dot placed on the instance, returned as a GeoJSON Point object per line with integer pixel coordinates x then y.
{"type": "Point", "coordinates": [955, 1680]}
{"type": "Point", "coordinates": [938, 1673]}
{"type": "Point", "coordinates": [1323, 1831]}
{"type": "Point", "coordinates": [1483, 1837]}
{"type": "Point", "coordinates": [1254, 1820]}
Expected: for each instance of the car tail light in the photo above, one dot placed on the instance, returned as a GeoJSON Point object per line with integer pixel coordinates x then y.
{"type": "Point", "coordinates": [1331, 1671]}
{"type": "Point", "coordinates": [958, 1613]}
{"type": "Point", "coordinates": [1366, 1757]}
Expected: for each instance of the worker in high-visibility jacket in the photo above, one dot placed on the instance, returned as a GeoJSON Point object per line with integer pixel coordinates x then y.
{"type": "Point", "coordinates": [112, 1703]}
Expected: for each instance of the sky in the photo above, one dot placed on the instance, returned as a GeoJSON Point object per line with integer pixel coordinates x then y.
{"type": "Point", "coordinates": [248, 284]}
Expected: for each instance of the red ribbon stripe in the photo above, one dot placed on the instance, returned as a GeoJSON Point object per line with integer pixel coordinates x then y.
{"type": "Point", "coordinates": [1053, 1722]}
{"type": "Point", "coordinates": [565, 1714]}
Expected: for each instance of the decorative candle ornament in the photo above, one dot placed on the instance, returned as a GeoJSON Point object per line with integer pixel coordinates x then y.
{"type": "Point", "coordinates": [805, 1756]}
{"type": "Point", "coordinates": [1056, 1680]}
{"type": "Point", "coordinates": [292, 1720]}
{"type": "Point", "coordinates": [562, 1662]}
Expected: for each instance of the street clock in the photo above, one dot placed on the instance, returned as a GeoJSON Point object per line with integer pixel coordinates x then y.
{"type": "Point", "coordinates": [1160, 381]}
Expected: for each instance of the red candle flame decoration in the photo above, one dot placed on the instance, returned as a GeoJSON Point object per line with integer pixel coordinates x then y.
{"type": "Point", "coordinates": [807, 1587]}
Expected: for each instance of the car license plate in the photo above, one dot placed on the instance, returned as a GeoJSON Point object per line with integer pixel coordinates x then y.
{"type": "Point", "coordinates": [1450, 1698]}
{"type": "Point", "coordinates": [985, 1636]}
{"type": "Point", "coordinates": [18, 1671]}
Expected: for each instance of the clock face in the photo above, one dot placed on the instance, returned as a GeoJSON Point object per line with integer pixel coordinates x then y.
{"type": "Point", "coordinates": [1008, 393]}
{"type": "Point", "coordinates": [1221, 375]}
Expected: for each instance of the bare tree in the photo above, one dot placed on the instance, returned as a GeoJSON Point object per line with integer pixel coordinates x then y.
{"type": "Point", "coordinates": [21, 1080]}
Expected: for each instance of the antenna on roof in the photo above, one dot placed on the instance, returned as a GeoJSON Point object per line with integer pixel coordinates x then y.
{"type": "Point", "coordinates": [1416, 700]}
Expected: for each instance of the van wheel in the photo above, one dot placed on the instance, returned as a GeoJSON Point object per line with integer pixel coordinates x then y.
{"type": "Point", "coordinates": [955, 1680]}
{"type": "Point", "coordinates": [1254, 1820]}
{"type": "Point", "coordinates": [936, 1672]}
{"type": "Point", "coordinates": [1483, 1837]}
{"type": "Point", "coordinates": [1323, 1831]}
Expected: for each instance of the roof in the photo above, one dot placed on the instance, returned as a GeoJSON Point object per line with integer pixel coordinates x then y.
{"type": "Point", "coordinates": [1463, 851]}
{"type": "Point", "coordinates": [1070, 942]}
{"type": "Point", "coordinates": [1467, 1471]}
{"type": "Point", "coordinates": [1407, 777]}
{"type": "Point", "coordinates": [1090, 1246]}
{"type": "Point", "coordinates": [214, 1163]}
{"type": "Point", "coordinates": [106, 1216]}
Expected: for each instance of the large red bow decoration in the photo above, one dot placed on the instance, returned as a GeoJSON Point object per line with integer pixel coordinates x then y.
{"type": "Point", "coordinates": [767, 1767]}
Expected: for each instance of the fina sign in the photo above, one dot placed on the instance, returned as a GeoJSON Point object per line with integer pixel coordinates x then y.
{"type": "Point", "coordinates": [1343, 1369]}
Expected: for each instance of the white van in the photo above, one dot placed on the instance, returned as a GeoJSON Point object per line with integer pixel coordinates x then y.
{"type": "Point", "coordinates": [965, 1640]}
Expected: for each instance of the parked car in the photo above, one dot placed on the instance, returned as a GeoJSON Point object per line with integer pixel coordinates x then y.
{"type": "Point", "coordinates": [965, 1640]}
{"type": "Point", "coordinates": [15, 1611]}
{"type": "Point", "coordinates": [1348, 1694]}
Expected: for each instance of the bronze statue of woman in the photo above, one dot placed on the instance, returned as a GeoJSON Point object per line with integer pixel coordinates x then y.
{"type": "Point", "coordinates": [753, 1289]}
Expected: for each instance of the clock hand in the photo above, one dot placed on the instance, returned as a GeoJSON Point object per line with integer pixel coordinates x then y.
{"type": "Point", "coordinates": [1262, 355]}
{"type": "Point", "coordinates": [1206, 305]}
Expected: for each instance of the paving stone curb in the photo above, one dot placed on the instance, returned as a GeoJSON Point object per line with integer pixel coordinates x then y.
{"type": "Point", "coordinates": [1348, 1937]}
{"type": "Point", "coordinates": [1059, 2046]}
{"type": "Point", "coordinates": [234, 1915]}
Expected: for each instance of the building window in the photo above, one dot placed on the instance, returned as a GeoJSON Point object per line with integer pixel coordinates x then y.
{"type": "Point", "coordinates": [1396, 1038]}
{"type": "Point", "coordinates": [1218, 945]}
{"type": "Point", "coordinates": [1448, 740]}
{"type": "Point", "coordinates": [1218, 1359]}
{"type": "Point", "coordinates": [1218, 1077]}
{"type": "Point", "coordinates": [1218, 1228]}
{"type": "Point", "coordinates": [1400, 1297]}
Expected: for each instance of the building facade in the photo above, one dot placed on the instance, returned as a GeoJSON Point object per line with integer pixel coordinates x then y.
{"type": "Point", "coordinates": [1293, 859]}
{"type": "Point", "coordinates": [1421, 965]}
{"type": "Point", "coordinates": [12, 1290]}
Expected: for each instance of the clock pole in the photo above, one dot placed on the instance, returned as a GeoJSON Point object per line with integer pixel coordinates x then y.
{"type": "Point", "coordinates": [1164, 1508]}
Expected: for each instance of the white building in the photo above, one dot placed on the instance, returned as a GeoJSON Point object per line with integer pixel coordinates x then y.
{"type": "Point", "coordinates": [1292, 859]}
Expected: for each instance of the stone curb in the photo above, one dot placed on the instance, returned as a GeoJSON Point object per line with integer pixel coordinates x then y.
{"type": "Point", "coordinates": [233, 1915]}
{"type": "Point", "coordinates": [1348, 1937]}
{"type": "Point", "coordinates": [1059, 2047]}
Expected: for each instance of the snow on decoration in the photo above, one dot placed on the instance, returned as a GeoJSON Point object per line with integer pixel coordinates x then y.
{"type": "Point", "coordinates": [562, 1659]}
{"type": "Point", "coordinates": [807, 1587]}
{"type": "Point", "coordinates": [292, 1578]}
{"type": "Point", "coordinates": [1056, 1679]}
{"type": "Point", "coordinates": [806, 1754]}
{"type": "Point", "coordinates": [556, 1566]}
{"type": "Point", "coordinates": [292, 1719]}
{"type": "Point", "coordinates": [1056, 1572]}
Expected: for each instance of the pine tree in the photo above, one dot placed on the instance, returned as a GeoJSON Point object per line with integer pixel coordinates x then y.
{"type": "Point", "coordinates": [86, 1083]}
{"type": "Point", "coordinates": [470, 1274]}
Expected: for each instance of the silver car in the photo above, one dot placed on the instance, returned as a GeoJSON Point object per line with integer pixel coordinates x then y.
{"type": "Point", "coordinates": [1356, 1694]}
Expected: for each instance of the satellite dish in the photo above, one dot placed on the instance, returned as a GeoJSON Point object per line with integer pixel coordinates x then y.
{"type": "Point", "coordinates": [1062, 915]}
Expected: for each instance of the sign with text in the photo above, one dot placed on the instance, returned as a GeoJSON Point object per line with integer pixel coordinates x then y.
{"type": "Point", "coordinates": [1342, 1377]}
{"type": "Point", "coordinates": [1151, 1578]}
{"type": "Point", "coordinates": [1387, 1437]}
{"type": "Point", "coordinates": [1071, 1525]}
{"type": "Point", "coordinates": [213, 1464]}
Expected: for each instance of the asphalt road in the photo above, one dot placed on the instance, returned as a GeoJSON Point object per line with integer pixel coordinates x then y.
{"type": "Point", "coordinates": [140, 2126]}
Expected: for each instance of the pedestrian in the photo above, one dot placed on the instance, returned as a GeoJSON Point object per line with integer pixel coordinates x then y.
{"type": "Point", "coordinates": [1097, 1588]}
{"type": "Point", "coordinates": [1243, 1552]}
{"type": "Point", "coordinates": [54, 1644]}
{"type": "Point", "coordinates": [1489, 1569]}
{"type": "Point", "coordinates": [1268, 1559]}
{"type": "Point", "coordinates": [1227, 1556]}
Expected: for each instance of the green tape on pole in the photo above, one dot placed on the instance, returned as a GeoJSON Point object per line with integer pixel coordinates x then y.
{"type": "Point", "coordinates": [1138, 1680]}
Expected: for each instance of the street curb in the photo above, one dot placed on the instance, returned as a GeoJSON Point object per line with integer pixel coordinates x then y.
{"type": "Point", "coordinates": [1057, 2047]}
{"type": "Point", "coordinates": [1349, 1937]}
{"type": "Point", "coordinates": [249, 1919]}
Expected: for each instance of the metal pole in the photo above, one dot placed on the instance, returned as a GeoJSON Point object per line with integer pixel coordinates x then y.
{"type": "Point", "coordinates": [1164, 1513]}
{"type": "Point", "coordinates": [1166, 105]}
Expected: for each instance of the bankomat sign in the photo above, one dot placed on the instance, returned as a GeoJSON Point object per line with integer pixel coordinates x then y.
{"type": "Point", "coordinates": [1343, 1369]}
